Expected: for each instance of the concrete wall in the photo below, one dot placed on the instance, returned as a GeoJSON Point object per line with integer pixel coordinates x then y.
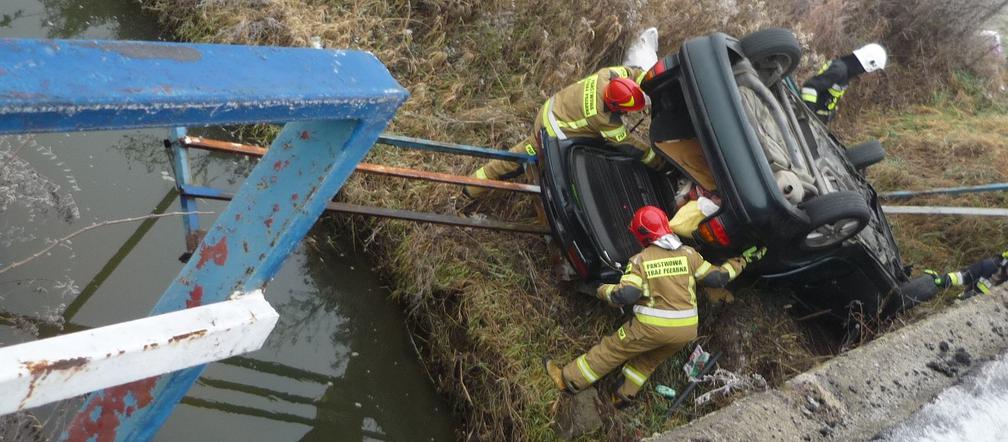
{"type": "Point", "coordinates": [869, 389]}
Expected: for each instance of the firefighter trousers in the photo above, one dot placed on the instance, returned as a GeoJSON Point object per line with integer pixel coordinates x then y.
{"type": "Point", "coordinates": [639, 348]}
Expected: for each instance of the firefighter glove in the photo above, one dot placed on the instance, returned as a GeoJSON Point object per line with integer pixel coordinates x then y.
{"type": "Point", "coordinates": [753, 254]}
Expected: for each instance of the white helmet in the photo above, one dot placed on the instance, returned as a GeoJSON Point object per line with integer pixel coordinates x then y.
{"type": "Point", "coordinates": [872, 57]}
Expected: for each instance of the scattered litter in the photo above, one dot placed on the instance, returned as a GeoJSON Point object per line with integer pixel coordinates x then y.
{"type": "Point", "coordinates": [730, 382]}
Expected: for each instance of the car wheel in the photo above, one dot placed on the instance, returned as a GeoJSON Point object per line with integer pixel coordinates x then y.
{"type": "Point", "coordinates": [833, 218]}
{"type": "Point", "coordinates": [770, 49]}
{"type": "Point", "coordinates": [865, 154]}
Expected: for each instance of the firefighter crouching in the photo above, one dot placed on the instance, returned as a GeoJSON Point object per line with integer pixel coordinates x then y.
{"type": "Point", "coordinates": [593, 107]}
{"type": "Point", "coordinates": [660, 282]}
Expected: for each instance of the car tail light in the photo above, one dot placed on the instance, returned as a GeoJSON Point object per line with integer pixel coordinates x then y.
{"type": "Point", "coordinates": [713, 232]}
{"type": "Point", "coordinates": [575, 259]}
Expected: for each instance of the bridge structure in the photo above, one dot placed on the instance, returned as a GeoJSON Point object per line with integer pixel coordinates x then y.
{"type": "Point", "coordinates": [333, 104]}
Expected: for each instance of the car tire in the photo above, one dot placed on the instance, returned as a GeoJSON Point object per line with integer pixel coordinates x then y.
{"type": "Point", "coordinates": [833, 218]}
{"type": "Point", "coordinates": [866, 154]}
{"type": "Point", "coordinates": [771, 46]}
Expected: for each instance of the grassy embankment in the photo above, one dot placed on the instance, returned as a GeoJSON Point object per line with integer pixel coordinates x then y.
{"type": "Point", "coordinates": [485, 305]}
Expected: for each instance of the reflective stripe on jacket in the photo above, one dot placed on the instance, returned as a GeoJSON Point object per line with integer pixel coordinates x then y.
{"type": "Point", "coordinates": [822, 92]}
{"type": "Point", "coordinates": [668, 280]}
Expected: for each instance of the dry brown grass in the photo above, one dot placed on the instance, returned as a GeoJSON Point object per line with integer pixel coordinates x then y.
{"type": "Point", "coordinates": [484, 305]}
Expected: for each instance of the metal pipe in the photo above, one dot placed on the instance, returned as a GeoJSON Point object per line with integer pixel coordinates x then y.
{"type": "Point", "coordinates": [899, 194]}
{"type": "Point", "coordinates": [462, 149]}
{"type": "Point", "coordinates": [692, 385]}
{"type": "Point", "coordinates": [402, 172]}
{"type": "Point", "coordinates": [940, 210]}
{"type": "Point", "coordinates": [409, 215]}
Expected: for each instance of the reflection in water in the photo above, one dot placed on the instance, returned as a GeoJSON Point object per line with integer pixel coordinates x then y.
{"type": "Point", "coordinates": [6, 20]}
{"type": "Point", "coordinates": [373, 389]}
{"type": "Point", "coordinates": [72, 18]}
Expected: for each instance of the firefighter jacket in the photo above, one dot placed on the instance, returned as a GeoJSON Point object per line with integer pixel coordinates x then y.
{"type": "Point", "coordinates": [578, 110]}
{"type": "Point", "coordinates": [661, 283]}
{"type": "Point", "coordinates": [822, 92]}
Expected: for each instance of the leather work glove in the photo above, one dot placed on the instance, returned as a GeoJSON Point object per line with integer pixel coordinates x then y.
{"type": "Point", "coordinates": [753, 254]}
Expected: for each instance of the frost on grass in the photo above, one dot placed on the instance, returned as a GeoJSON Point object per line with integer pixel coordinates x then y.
{"type": "Point", "coordinates": [22, 185]}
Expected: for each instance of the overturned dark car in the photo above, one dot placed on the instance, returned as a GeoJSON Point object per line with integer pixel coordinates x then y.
{"type": "Point", "coordinates": [784, 181]}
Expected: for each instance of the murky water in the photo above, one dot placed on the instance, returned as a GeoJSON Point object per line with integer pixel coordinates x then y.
{"type": "Point", "coordinates": [338, 366]}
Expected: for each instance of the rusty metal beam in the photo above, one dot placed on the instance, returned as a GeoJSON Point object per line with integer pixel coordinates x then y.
{"type": "Point", "coordinates": [402, 172]}
{"type": "Point", "coordinates": [215, 194]}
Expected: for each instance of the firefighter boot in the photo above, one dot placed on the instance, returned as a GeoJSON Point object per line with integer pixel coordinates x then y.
{"type": "Point", "coordinates": [555, 373]}
{"type": "Point", "coordinates": [619, 401]}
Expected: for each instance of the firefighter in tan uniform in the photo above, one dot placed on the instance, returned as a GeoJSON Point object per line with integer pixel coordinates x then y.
{"type": "Point", "coordinates": [660, 282]}
{"type": "Point", "coordinates": [592, 107]}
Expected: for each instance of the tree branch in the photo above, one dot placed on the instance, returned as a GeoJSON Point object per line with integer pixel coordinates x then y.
{"type": "Point", "coordinates": [67, 238]}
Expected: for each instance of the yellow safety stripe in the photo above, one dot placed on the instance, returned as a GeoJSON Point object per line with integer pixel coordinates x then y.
{"type": "Point", "coordinates": [586, 371]}
{"type": "Point", "coordinates": [649, 157]}
{"type": "Point", "coordinates": [573, 124]}
{"type": "Point", "coordinates": [480, 173]}
{"type": "Point", "coordinates": [530, 149]}
{"type": "Point", "coordinates": [621, 70]}
{"type": "Point", "coordinates": [617, 134]}
{"type": "Point", "coordinates": [730, 269]}
{"type": "Point", "coordinates": [640, 77]}
{"type": "Point", "coordinates": [824, 67]}
{"type": "Point", "coordinates": [692, 291]}
{"type": "Point", "coordinates": [632, 279]}
{"type": "Point", "coordinates": [704, 268]}
{"type": "Point", "coordinates": [983, 287]}
{"type": "Point", "coordinates": [667, 322]}
{"type": "Point", "coordinates": [809, 94]}
{"type": "Point", "coordinates": [954, 277]}
{"type": "Point", "coordinates": [633, 375]}
{"type": "Point", "coordinates": [589, 96]}
{"type": "Point", "coordinates": [836, 92]}
{"type": "Point", "coordinates": [545, 119]}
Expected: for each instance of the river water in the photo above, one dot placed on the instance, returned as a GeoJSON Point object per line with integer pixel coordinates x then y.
{"type": "Point", "coordinates": [338, 366]}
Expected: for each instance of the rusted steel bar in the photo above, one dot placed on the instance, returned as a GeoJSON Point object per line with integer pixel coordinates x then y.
{"type": "Point", "coordinates": [215, 194]}
{"type": "Point", "coordinates": [402, 172]}
{"type": "Point", "coordinates": [223, 146]}
{"type": "Point", "coordinates": [446, 178]}
{"type": "Point", "coordinates": [462, 149]}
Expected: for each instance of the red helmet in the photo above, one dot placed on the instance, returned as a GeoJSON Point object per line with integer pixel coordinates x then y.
{"type": "Point", "coordinates": [649, 223]}
{"type": "Point", "coordinates": [623, 95]}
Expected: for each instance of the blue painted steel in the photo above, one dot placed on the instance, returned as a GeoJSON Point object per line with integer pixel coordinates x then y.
{"type": "Point", "coordinates": [437, 146]}
{"type": "Point", "coordinates": [65, 85]}
{"type": "Point", "coordinates": [338, 103]}
{"type": "Point", "coordinates": [183, 176]}
{"type": "Point", "coordinates": [900, 194]}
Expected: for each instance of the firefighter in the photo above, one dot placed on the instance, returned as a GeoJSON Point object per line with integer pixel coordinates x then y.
{"type": "Point", "coordinates": [978, 277]}
{"type": "Point", "coordinates": [822, 92]}
{"type": "Point", "coordinates": [592, 107]}
{"type": "Point", "coordinates": [660, 283]}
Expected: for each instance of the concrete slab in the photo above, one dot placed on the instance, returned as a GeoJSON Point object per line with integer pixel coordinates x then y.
{"type": "Point", "coordinates": [869, 389]}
